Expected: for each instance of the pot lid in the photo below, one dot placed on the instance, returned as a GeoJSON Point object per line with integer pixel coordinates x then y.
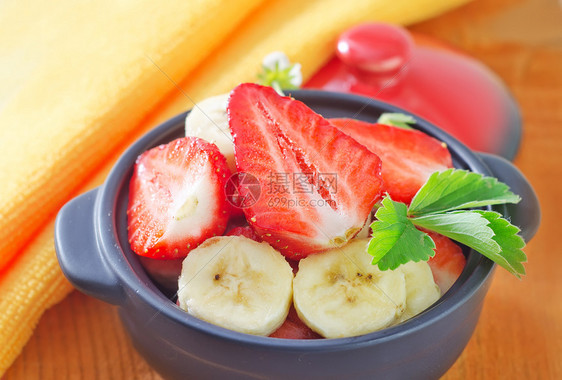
{"type": "Point", "coordinates": [426, 77]}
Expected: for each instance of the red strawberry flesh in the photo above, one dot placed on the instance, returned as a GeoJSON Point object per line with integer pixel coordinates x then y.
{"type": "Point", "coordinates": [177, 198]}
{"type": "Point", "coordinates": [294, 328]}
{"type": "Point", "coordinates": [408, 156]}
{"type": "Point", "coordinates": [245, 231]}
{"type": "Point", "coordinates": [448, 262]}
{"type": "Point", "coordinates": [318, 184]}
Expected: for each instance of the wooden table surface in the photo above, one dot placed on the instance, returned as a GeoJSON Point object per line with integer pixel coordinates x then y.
{"type": "Point", "coordinates": [519, 335]}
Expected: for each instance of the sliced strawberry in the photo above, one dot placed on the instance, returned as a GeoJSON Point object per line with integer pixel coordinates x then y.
{"type": "Point", "coordinates": [177, 198]}
{"type": "Point", "coordinates": [448, 262]}
{"type": "Point", "coordinates": [318, 185]}
{"type": "Point", "coordinates": [236, 220]}
{"type": "Point", "coordinates": [245, 231]}
{"type": "Point", "coordinates": [408, 156]}
{"type": "Point", "coordinates": [294, 264]}
{"type": "Point", "coordinates": [294, 328]}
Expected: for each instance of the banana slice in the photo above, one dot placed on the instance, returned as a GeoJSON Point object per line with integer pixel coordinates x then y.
{"type": "Point", "coordinates": [236, 283]}
{"type": "Point", "coordinates": [208, 120]}
{"type": "Point", "coordinates": [338, 293]}
{"type": "Point", "coordinates": [421, 290]}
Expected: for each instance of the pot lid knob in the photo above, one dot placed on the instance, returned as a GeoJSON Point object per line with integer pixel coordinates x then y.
{"type": "Point", "coordinates": [375, 50]}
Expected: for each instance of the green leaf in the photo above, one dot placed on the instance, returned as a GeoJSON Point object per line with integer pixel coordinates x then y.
{"type": "Point", "coordinates": [438, 207]}
{"type": "Point", "coordinates": [395, 239]}
{"type": "Point", "coordinates": [467, 227]}
{"type": "Point", "coordinates": [484, 231]}
{"type": "Point", "coordinates": [455, 189]}
{"type": "Point", "coordinates": [506, 235]}
{"type": "Point", "coordinates": [396, 119]}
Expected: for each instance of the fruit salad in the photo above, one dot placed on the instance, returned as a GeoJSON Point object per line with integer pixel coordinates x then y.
{"type": "Point", "coordinates": [281, 214]}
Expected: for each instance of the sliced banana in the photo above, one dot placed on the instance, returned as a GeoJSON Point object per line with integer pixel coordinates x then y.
{"type": "Point", "coordinates": [236, 283]}
{"type": "Point", "coordinates": [339, 293]}
{"type": "Point", "coordinates": [208, 120]}
{"type": "Point", "coordinates": [421, 290]}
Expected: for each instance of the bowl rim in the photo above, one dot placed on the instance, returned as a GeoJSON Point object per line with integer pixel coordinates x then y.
{"type": "Point", "coordinates": [475, 274]}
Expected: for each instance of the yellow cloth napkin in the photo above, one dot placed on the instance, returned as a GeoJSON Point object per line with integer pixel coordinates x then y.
{"type": "Point", "coordinates": [83, 80]}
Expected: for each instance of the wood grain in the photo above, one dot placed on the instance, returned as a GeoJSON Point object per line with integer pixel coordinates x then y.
{"type": "Point", "coordinates": [519, 335]}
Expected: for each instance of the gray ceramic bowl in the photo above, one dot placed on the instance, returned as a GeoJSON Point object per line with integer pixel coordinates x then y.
{"type": "Point", "coordinates": [92, 248]}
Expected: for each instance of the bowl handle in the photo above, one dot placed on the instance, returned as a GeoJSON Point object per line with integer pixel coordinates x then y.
{"type": "Point", "coordinates": [78, 251]}
{"type": "Point", "coordinates": [527, 213]}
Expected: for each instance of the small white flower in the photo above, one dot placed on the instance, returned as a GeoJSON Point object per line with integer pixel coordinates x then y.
{"type": "Point", "coordinates": [279, 73]}
{"type": "Point", "coordinates": [295, 75]}
{"type": "Point", "coordinates": [276, 61]}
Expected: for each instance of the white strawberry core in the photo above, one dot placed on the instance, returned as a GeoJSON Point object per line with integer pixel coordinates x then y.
{"type": "Point", "coordinates": [332, 224]}
{"type": "Point", "coordinates": [192, 210]}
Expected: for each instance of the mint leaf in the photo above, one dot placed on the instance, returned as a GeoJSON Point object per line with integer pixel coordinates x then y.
{"type": "Point", "coordinates": [395, 239]}
{"type": "Point", "coordinates": [455, 189]}
{"type": "Point", "coordinates": [467, 227]}
{"type": "Point", "coordinates": [506, 235]}
{"type": "Point", "coordinates": [484, 231]}
{"type": "Point", "coordinates": [396, 119]}
{"type": "Point", "coordinates": [438, 207]}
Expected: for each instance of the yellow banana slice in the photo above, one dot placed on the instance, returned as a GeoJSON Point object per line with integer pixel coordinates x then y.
{"type": "Point", "coordinates": [421, 290]}
{"type": "Point", "coordinates": [208, 120]}
{"type": "Point", "coordinates": [237, 283]}
{"type": "Point", "coordinates": [339, 293]}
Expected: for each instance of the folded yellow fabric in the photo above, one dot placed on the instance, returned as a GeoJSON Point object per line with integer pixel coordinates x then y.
{"type": "Point", "coordinates": [77, 77]}
{"type": "Point", "coordinates": [34, 284]}
{"type": "Point", "coordinates": [76, 93]}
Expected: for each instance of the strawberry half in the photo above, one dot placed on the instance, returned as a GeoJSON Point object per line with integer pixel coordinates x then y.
{"type": "Point", "coordinates": [177, 198]}
{"type": "Point", "coordinates": [318, 185]}
{"type": "Point", "coordinates": [448, 262]}
{"type": "Point", "coordinates": [408, 156]}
